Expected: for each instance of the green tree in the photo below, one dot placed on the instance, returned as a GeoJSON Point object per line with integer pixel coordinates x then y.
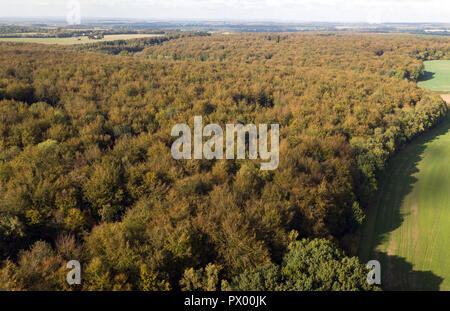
{"type": "Point", "coordinates": [309, 265]}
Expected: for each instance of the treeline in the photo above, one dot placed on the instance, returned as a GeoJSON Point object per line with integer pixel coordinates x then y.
{"type": "Point", "coordinates": [86, 171]}
{"type": "Point", "coordinates": [11, 29]}
{"type": "Point", "coordinates": [132, 46]}
{"type": "Point", "coordinates": [63, 32]}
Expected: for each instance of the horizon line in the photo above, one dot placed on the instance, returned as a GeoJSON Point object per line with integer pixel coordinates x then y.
{"type": "Point", "coordinates": [187, 19]}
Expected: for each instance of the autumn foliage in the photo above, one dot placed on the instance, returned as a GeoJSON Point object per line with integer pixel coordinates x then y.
{"type": "Point", "coordinates": [86, 171]}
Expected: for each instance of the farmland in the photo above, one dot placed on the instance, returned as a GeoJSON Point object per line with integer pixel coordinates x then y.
{"type": "Point", "coordinates": [437, 76]}
{"type": "Point", "coordinates": [77, 40]}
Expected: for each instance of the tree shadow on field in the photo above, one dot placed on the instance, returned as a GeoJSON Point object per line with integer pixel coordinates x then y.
{"type": "Point", "coordinates": [397, 273]}
{"type": "Point", "coordinates": [427, 75]}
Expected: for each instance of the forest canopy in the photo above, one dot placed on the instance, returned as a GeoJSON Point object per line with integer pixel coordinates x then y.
{"type": "Point", "coordinates": [86, 171]}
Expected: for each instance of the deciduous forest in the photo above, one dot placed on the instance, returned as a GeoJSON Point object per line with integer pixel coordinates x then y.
{"type": "Point", "coordinates": [86, 171]}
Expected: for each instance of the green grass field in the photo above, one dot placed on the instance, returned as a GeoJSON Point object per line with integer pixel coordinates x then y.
{"type": "Point", "coordinates": [408, 227]}
{"type": "Point", "coordinates": [437, 76]}
{"type": "Point", "coordinates": [76, 40]}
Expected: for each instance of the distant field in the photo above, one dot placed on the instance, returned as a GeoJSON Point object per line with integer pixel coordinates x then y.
{"type": "Point", "coordinates": [437, 76]}
{"type": "Point", "coordinates": [77, 40]}
{"type": "Point", "coordinates": [409, 223]}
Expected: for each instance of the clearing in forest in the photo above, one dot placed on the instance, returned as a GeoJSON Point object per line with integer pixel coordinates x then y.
{"type": "Point", "coordinates": [437, 76]}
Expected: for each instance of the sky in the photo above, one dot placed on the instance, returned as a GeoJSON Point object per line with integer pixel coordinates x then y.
{"type": "Point", "coordinates": [372, 11]}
